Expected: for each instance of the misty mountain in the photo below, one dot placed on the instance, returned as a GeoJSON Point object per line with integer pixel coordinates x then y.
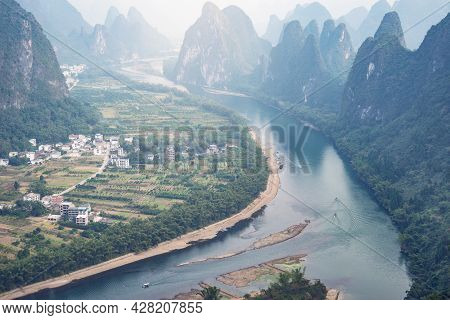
{"type": "Point", "coordinates": [33, 93]}
{"type": "Point", "coordinates": [61, 20]}
{"type": "Point", "coordinates": [111, 16]}
{"type": "Point", "coordinates": [274, 30]}
{"type": "Point", "coordinates": [130, 37]}
{"type": "Point", "coordinates": [354, 18]}
{"type": "Point", "coordinates": [220, 48]}
{"type": "Point", "coordinates": [58, 17]}
{"type": "Point", "coordinates": [29, 68]}
{"type": "Point", "coordinates": [395, 126]}
{"type": "Point", "coordinates": [303, 61]}
{"type": "Point", "coordinates": [373, 19]}
{"type": "Point", "coordinates": [122, 37]}
{"type": "Point", "coordinates": [302, 13]}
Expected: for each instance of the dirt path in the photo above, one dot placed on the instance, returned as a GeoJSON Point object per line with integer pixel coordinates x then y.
{"type": "Point", "coordinates": [100, 170]}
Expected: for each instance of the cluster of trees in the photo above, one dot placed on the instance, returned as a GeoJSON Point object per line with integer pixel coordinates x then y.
{"type": "Point", "coordinates": [293, 286]}
{"type": "Point", "coordinates": [407, 169]}
{"type": "Point", "coordinates": [24, 209]}
{"type": "Point", "coordinates": [201, 209]}
{"type": "Point", "coordinates": [50, 122]}
{"type": "Point", "coordinates": [40, 187]}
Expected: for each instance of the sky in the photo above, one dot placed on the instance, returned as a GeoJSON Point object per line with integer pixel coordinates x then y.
{"type": "Point", "coordinates": [174, 17]}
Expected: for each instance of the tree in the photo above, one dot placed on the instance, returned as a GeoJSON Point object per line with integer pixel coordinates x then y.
{"type": "Point", "coordinates": [16, 185]}
{"type": "Point", "coordinates": [211, 293]}
{"type": "Point", "coordinates": [293, 286]}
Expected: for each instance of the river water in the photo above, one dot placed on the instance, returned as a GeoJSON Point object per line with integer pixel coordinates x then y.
{"type": "Point", "coordinates": [351, 243]}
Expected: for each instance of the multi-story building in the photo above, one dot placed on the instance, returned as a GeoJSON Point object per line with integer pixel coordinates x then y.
{"type": "Point", "coordinates": [64, 208]}
{"type": "Point", "coordinates": [170, 153]}
{"type": "Point", "coordinates": [74, 212]}
{"type": "Point", "coordinates": [123, 163]}
{"type": "Point", "coordinates": [82, 219]}
{"type": "Point", "coordinates": [79, 215]}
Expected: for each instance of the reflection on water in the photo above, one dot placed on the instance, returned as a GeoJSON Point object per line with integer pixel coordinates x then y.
{"type": "Point", "coordinates": [364, 265]}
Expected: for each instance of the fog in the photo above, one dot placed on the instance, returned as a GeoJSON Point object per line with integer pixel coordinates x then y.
{"type": "Point", "coordinates": [173, 17]}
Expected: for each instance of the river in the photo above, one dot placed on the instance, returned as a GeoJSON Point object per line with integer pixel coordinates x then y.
{"type": "Point", "coordinates": [351, 243]}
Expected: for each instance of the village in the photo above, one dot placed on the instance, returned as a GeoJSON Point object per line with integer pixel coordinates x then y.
{"type": "Point", "coordinates": [78, 144]}
{"type": "Point", "coordinates": [115, 157]}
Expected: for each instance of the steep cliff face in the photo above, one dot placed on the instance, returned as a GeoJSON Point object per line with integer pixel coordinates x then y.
{"type": "Point", "coordinates": [303, 61]}
{"type": "Point", "coordinates": [336, 47]}
{"type": "Point", "coordinates": [395, 126]}
{"type": "Point", "coordinates": [374, 84]}
{"type": "Point", "coordinates": [220, 48]}
{"type": "Point", "coordinates": [34, 100]}
{"type": "Point", "coordinates": [63, 21]}
{"type": "Point", "coordinates": [28, 66]}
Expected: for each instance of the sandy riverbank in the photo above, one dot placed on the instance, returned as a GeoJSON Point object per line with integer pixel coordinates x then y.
{"type": "Point", "coordinates": [185, 241]}
{"type": "Point", "coordinates": [271, 240]}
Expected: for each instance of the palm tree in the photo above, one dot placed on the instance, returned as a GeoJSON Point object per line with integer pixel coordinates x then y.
{"type": "Point", "coordinates": [211, 293]}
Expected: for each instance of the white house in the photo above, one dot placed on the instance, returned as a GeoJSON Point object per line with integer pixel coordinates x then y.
{"type": "Point", "coordinates": [45, 147]}
{"type": "Point", "coordinates": [4, 162]}
{"type": "Point", "coordinates": [213, 149]}
{"type": "Point", "coordinates": [32, 197]}
{"type": "Point", "coordinates": [13, 154]}
{"type": "Point", "coordinates": [170, 153]}
{"type": "Point", "coordinates": [123, 163]}
{"type": "Point", "coordinates": [33, 142]}
{"type": "Point", "coordinates": [82, 219]}
{"type": "Point", "coordinates": [30, 155]}
{"type": "Point", "coordinates": [98, 137]}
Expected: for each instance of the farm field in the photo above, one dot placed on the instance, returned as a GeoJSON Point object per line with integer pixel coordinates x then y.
{"type": "Point", "coordinates": [149, 119]}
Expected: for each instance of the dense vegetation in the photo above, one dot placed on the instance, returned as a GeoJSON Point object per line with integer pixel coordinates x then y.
{"type": "Point", "coordinates": [293, 286]}
{"type": "Point", "coordinates": [51, 122]}
{"type": "Point", "coordinates": [201, 209]}
{"type": "Point", "coordinates": [24, 209]}
{"type": "Point", "coordinates": [399, 146]}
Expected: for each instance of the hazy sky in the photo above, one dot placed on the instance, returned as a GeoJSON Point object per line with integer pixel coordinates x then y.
{"type": "Point", "coordinates": [173, 17]}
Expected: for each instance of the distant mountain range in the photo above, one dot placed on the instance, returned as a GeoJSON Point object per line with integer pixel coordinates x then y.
{"type": "Point", "coordinates": [222, 47]}
{"type": "Point", "coordinates": [361, 23]}
{"type": "Point", "coordinates": [303, 61]}
{"type": "Point", "coordinates": [121, 37]}
{"type": "Point", "coordinates": [302, 13]}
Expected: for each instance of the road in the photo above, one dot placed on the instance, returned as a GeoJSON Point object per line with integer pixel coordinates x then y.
{"type": "Point", "coordinates": [100, 170]}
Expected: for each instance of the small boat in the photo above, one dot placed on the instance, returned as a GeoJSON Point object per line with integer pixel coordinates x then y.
{"type": "Point", "coordinates": [146, 285]}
